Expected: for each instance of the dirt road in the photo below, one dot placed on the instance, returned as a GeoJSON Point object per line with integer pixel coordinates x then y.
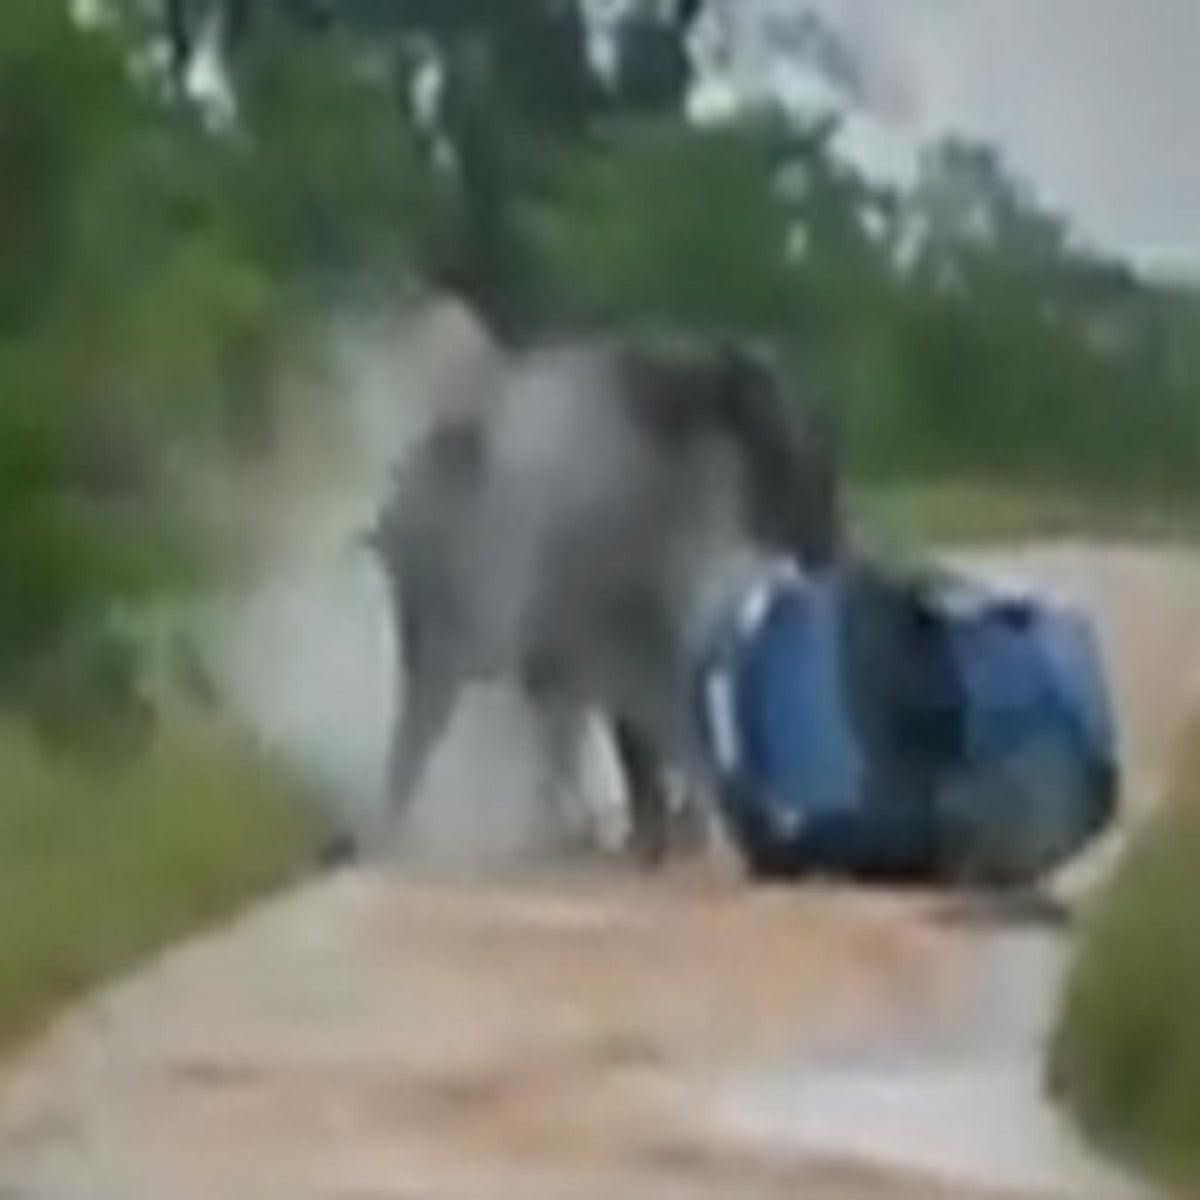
{"type": "Point", "coordinates": [577, 1032]}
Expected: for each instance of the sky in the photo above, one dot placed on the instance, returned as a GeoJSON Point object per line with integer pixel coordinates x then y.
{"type": "Point", "coordinates": [1096, 102]}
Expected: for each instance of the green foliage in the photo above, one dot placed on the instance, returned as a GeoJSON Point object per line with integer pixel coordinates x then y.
{"type": "Point", "coordinates": [958, 327]}
{"type": "Point", "coordinates": [915, 517]}
{"type": "Point", "coordinates": [516, 87]}
{"type": "Point", "coordinates": [1009, 351]}
{"type": "Point", "coordinates": [150, 274]}
{"type": "Point", "coordinates": [78, 267]}
{"type": "Point", "coordinates": [539, 63]}
{"type": "Point", "coordinates": [1127, 1051]}
{"type": "Point", "coordinates": [153, 272]}
{"type": "Point", "coordinates": [652, 68]}
{"type": "Point", "coordinates": [96, 872]}
{"type": "Point", "coordinates": [329, 178]}
{"type": "Point", "coordinates": [670, 225]}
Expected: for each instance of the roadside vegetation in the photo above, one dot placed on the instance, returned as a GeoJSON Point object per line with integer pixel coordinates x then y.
{"type": "Point", "coordinates": [915, 516]}
{"type": "Point", "coordinates": [105, 861]}
{"type": "Point", "coordinates": [1126, 1056]}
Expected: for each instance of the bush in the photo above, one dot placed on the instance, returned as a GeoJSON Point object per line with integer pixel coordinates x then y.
{"type": "Point", "coordinates": [912, 515]}
{"type": "Point", "coordinates": [670, 226]}
{"type": "Point", "coordinates": [1126, 1055]}
{"type": "Point", "coordinates": [100, 867]}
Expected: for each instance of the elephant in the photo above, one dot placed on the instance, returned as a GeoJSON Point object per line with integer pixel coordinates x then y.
{"type": "Point", "coordinates": [577, 528]}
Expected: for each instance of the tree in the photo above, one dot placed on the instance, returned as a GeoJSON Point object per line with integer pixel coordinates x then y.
{"type": "Point", "coordinates": [328, 173]}
{"type": "Point", "coordinates": [653, 70]}
{"type": "Point", "coordinates": [970, 213]}
{"type": "Point", "coordinates": [1017, 350]}
{"type": "Point", "coordinates": [671, 225]}
{"type": "Point", "coordinates": [65, 318]}
{"type": "Point", "coordinates": [131, 288]}
{"type": "Point", "coordinates": [516, 85]}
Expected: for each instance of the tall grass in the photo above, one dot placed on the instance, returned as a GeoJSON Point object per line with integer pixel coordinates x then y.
{"type": "Point", "coordinates": [953, 511]}
{"type": "Point", "coordinates": [1126, 1055]}
{"type": "Point", "coordinates": [103, 864]}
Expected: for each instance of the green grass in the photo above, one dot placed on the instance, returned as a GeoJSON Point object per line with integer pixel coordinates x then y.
{"type": "Point", "coordinates": [1126, 1054]}
{"type": "Point", "coordinates": [100, 866]}
{"type": "Point", "coordinates": [905, 516]}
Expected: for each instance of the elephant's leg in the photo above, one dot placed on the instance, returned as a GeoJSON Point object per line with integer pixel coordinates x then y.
{"type": "Point", "coordinates": [429, 684]}
{"type": "Point", "coordinates": [560, 723]}
{"type": "Point", "coordinates": [690, 816]}
{"type": "Point", "coordinates": [419, 726]}
{"type": "Point", "coordinates": [649, 809]}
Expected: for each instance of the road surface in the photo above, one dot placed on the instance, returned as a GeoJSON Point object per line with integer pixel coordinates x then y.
{"type": "Point", "coordinates": [574, 1031]}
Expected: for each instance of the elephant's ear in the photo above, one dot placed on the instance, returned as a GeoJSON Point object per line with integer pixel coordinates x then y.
{"type": "Point", "coordinates": [680, 389]}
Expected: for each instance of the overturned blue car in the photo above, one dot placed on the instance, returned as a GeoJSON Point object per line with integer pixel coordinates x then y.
{"type": "Point", "coordinates": [908, 726]}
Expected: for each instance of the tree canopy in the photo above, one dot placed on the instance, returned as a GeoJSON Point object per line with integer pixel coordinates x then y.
{"type": "Point", "coordinates": [154, 258]}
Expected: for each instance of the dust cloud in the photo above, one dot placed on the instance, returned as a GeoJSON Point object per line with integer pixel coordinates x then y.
{"type": "Point", "coordinates": [304, 651]}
